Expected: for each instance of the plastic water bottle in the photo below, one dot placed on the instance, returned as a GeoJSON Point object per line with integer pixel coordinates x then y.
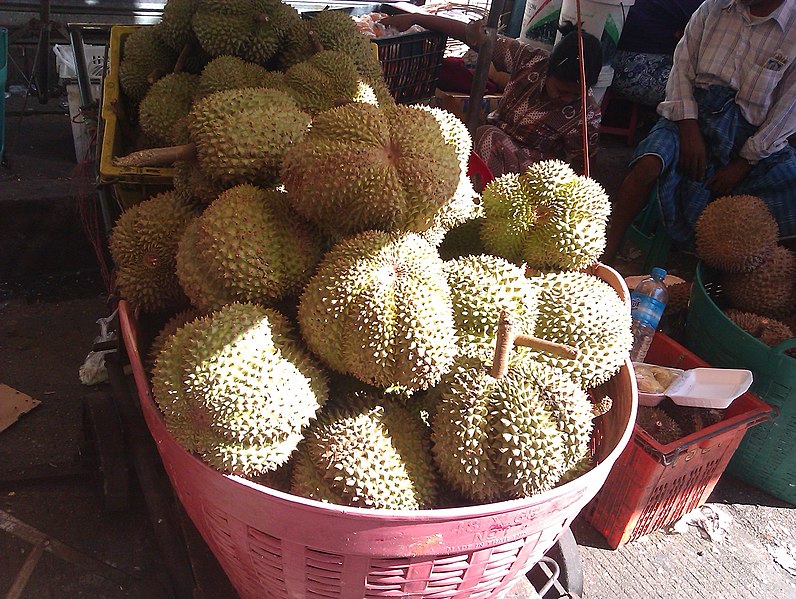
{"type": "Point", "coordinates": [647, 302]}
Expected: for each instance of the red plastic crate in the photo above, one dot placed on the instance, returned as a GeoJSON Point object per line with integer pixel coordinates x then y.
{"type": "Point", "coordinates": [654, 485]}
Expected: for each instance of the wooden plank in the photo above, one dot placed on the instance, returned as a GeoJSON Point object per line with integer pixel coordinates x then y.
{"type": "Point", "coordinates": [13, 404]}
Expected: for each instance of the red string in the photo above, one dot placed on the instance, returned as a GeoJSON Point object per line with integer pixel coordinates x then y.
{"type": "Point", "coordinates": [583, 91]}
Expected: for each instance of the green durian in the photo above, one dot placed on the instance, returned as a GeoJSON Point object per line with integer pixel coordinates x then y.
{"type": "Point", "coordinates": [177, 321]}
{"type": "Point", "coordinates": [143, 245]}
{"type": "Point", "coordinates": [584, 312]}
{"type": "Point", "coordinates": [268, 254]}
{"type": "Point", "coordinates": [237, 388]}
{"type": "Point", "coordinates": [202, 287]}
{"type": "Point", "coordinates": [509, 437]}
{"type": "Point", "coordinates": [768, 290]}
{"type": "Point", "coordinates": [193, 183]}
{"type": "Point", "coordinates": [482, 286]}
{"type": "Point", "coordinates": [250, 29]}
{"type": "Point", "coordinates": [365, 451]}
{"type": "Point", "coordinates": [462, 240]}
{"type": "Point", "coordinates": [144, 60]}
{"type": "Point", "coordinates": [379, 308]}
{"type": "Point", "coordinates": [166, 102]}
{"type": "Point", "coordinates": [464, 207]}
{"type": "Point", "coordinates": [549, 217]}
{"type": "Point", "coordinates": [230, 72]}
{"type": "Point", "coordinates": [361, 167]}
{"type": "Point", "coordinates": [174, 28]}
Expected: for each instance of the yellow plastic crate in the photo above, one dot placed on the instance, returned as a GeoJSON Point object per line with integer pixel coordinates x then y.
{"type": "Point", "coordinates": [130, 184]}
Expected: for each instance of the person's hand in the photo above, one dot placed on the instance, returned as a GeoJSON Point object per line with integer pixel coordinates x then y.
{"type": "Point", "coordinates": [692, 149]}
{"type": "Point", "coordinates": [727, 177]}
{"type": "Point", "coordinates": [401, 22]}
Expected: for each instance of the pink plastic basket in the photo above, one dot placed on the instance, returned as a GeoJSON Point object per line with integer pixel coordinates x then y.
{"type": "Point", "coordinates": [273, 544]}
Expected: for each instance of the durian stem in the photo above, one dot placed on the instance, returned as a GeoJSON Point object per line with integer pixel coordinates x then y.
{"type": "Point", "coordinates": [155, 75]}
{"type": "Point", "coordinates": [180, 64]}
{"type": "Point", "coordinates": [602, 407]}
{"type": "Point", "coordinates": [506, 339]}
{"type": "Point", "coordinates": [157, 156]}
{"type": "Point", "coordinates": [551, 347]}
{"type": "Point", "coordinates": [317, 46]}
{"type": "Point", "coordinates": [262, 18]}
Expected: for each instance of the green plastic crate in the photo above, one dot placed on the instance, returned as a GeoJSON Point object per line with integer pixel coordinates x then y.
{"type": "Point", "coordinates": [766, 457]}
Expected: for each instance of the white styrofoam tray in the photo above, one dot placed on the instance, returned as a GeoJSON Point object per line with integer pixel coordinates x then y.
{"type": "Point", "coordinates": [709, 387]}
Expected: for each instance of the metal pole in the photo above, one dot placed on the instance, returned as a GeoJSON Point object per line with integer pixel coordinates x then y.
{"type": "Point", "coordinates": [43, 53]}
{"type": "Point", "coordinates": [83, 80]}
{"type": "Point", "coordinates": [482, 65]}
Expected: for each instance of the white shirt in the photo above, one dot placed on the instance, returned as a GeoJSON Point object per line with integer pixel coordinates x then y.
{"type": "Point", "coordinates": [724, 45]}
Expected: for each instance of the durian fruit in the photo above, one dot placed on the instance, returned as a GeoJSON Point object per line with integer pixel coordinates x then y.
{"type": "Point", "coordinates": [769, 290]}
{"type": "Point", "coordinates": [365, 451]}
{"type": "Point", "coordinates": [325, 80]}
{"type": "Point", "coordinates": [177, 321]}
{"type": "Point", "coordinates": [508, 437]}
{"type": "Point", "coordinates": [462, 240]}
{"type": "Point", "coordinates": [658, 424]}
{"type": "Point", "coordinates": [548, 217]}
{"type": "Point", "coordinates": [582, 311]}
{"type": "Point", "coordinates": [334, 30]}
{"type": "Point", "coordinates": [174, 28]}
{"type": "Point", "coordinates": [237, 388]}
{"type": "Point", "coordinates": [679, 297]}
{"type": "Point", "coordinates": [748, 321]}
{"type": "Point", "coordinates": [775, 332]}
{"type": "Point", "coordinates": [145, 59]}
{"type": "Point", "coordinates": [361, 167]}
{"type": "Point", "coordinates": [191, 182]}
{"type": "Point", "coordinates": [250, 29]}
{"type": "Point", "coordinates": [230, 72]}
{"type": "Point", "coordinates": [454, 131]}
{"type": "Point", "coordinates": [143, 245]}
{"type": "Point", "coordinates": [253, 245]}
{"type": "Point", "coordinates": [768, 330]}
{"type": "Point", "coordinates": [167, 101]}
{"type": "Point", "coordinates": [735, 233]}
{"type": "Point", "coordinates": [204, 288]}
{"type": "Point", "coordinates": [379, 308]}
{"type": "Point", "coordinates": [237, 136]}
{"type": "Point", "coordinates": [481, 287]}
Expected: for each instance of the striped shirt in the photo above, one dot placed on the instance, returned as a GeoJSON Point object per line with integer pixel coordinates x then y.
{"type": "Point", "coordinates": [546, 128]}
{"type": "Point", "coordinates": [724, 45]}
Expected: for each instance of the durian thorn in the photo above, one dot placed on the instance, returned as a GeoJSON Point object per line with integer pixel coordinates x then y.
{"type": "Point", "coordinates": [157, 156]}
{"type": "Point", "coordinates": [317, 46]}
{"type": "Point", "coordinates": [602, 407]}
{"type": "Point", "coordinates": [551, 347]}
{"type": "Point", "coordinates": [261, 18]}
{"type": "Point", "coordinates": [180, 64]}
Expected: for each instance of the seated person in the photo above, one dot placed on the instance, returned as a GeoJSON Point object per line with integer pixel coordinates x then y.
{"type": "Point", "coordinates": [728, 113]}
{"type": "Point", "coordinates": [538, 117]}
{"type": "Point", "coordinates": [642, 61]}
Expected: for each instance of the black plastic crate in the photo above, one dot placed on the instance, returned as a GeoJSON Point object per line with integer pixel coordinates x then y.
{"type": "Point", "coordinates": [410, 62]}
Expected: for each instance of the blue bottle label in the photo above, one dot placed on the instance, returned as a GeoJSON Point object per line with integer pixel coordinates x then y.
{"type": "Point", "coordinates": [645, 309]}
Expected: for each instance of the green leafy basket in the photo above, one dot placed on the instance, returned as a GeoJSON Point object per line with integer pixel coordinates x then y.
{"type": "Point", "coordinates": [766, 457]}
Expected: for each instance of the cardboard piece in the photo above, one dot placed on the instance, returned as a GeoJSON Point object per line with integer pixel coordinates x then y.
{"type": "Point", "coordinates": [457, 104]}
{"type": "Point", "coordinates": [13, 404]}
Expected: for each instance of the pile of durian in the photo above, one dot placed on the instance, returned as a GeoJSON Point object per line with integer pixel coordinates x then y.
{"type": "Point", "coordinates": [334, 286]}
{"type": "Point", "coordinates": [738, 236]}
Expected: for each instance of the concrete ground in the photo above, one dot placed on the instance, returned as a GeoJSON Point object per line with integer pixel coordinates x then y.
{"type": "Point", "coordinates": [50, 298]}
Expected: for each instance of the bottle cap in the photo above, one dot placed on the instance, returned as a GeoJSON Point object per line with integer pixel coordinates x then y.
{"type": "Point", "coordinates": [658, 273]}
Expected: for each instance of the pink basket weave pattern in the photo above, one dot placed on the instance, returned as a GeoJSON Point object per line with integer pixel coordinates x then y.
{"type": "Point", "coordinates": [276, 545]}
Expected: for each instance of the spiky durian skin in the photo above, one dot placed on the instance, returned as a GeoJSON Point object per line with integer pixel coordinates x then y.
{"type": "Point", "coordinates": [237, 388]}
{"type": "Point", "coordinates": [143, 245]}
{"type": "Point", "coordinates": [191, 182]}
{"type": "Point", "coordinates": [144, 57]}
{"type": "Point", "coordinates": [365, 451]}
{"type": "Point", "coordinates": [230, 72]}
{"type": "Point", "coordinates": [511, 437]}
{"type": "Point", "coordinates": [769, 290]}
{"type": "Point", "coordinates": [241, 135]}
{"type": "Point", "coordinates": [548, 217]}
{"type": "Point", "coordinates": [325, 80]}
{"type": "Point", "coordinates": [462, 240]}
{"type": "Point", "coordinates": [454, 131]}
{"type": "Point", "coordinates": [268, 254]}
{"type": "Point", "coordinates": [748, 321]}
{"type": "Point", "coordinates": [250, 29]}
{"type": "Point", "coordinates": [174, 27]}
{"type": "Point", "coordinates": [658, 424]}
{"type": "Point", "coordinates": [735, 233]}
{"type": "Point", "coordinates": [464, 206]}
{"type": "Point", "coordinates": [583, 311]}
{"type": "Point", "coordinates": [202, 287]}
{"type": "Point", "coordinates": [482, 286]}
{"type": "Point", "coordinates": [166, 102]}
{"type": "Point", "coordinates": [379, 308]}
{"type": "Point", "coordinates": [177, 321]}
{"type": "Point", "coordinates": [361, 167]}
